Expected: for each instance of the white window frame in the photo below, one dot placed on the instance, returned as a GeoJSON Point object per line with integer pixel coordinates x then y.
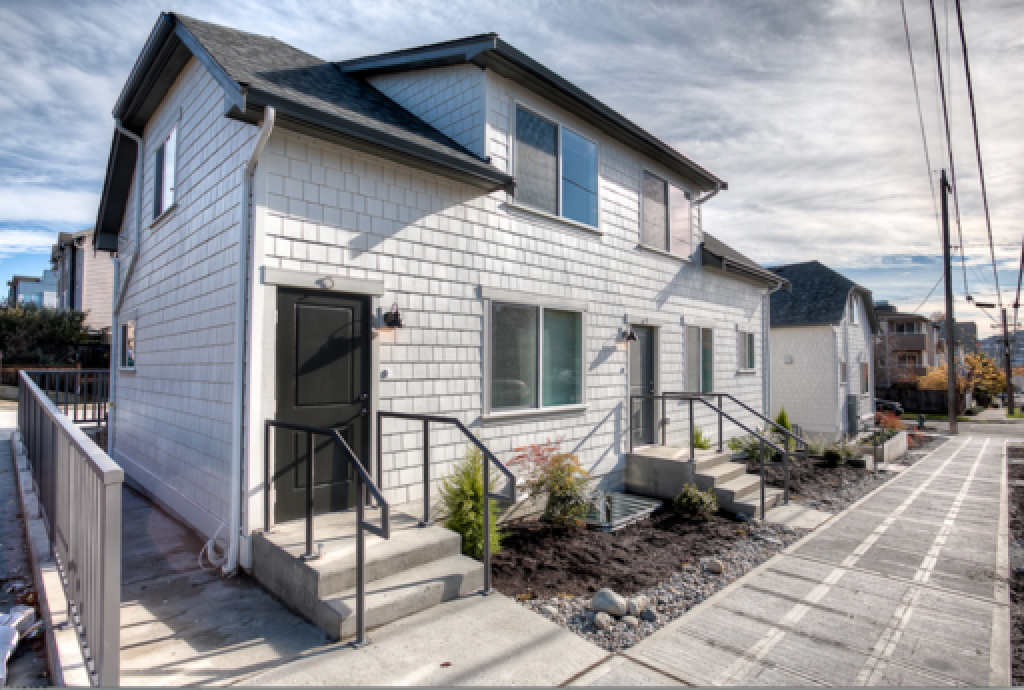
{"type": "Point", "coordinates": [853, 310]}
{"type": "Point", "coordinates": [494, 296]}
{"type": "Point", "coordinates": [122, 342]}
{"type": "Point", "coordinates": [157, 195]}
{"type": "Point", "coordinates": [700, 355]}
{"type": "Point", "coordinates": [668, 202]}
{"type": "Point", "coordinates": [746, 351]}
{"type": "Point", "coordinates": [844, 374]}
{"type": "Point", "coordinates": [516, 105]}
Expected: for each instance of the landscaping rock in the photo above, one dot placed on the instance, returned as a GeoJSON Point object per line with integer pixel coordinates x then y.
{"type": "Point", "coordinates": [650, 615]}
{"type": "Point", "coordinates": [608, 601]}
{"type": "Point", "coordinates": [602, 621]}
{"type": "Point", "coordinates": [715, 566]}
{"type": "Point", "coordinates": [637, 605]}
{"type": "Point", "coordinates": [631, 621]}
{"type": "Point", "coordinates": [549, 611]}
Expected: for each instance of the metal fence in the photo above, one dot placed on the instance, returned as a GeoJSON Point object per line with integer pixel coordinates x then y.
{"type": "Point", "coordinates": [82, 395]}
{"type": "Point", "coordinates": [80, 491]}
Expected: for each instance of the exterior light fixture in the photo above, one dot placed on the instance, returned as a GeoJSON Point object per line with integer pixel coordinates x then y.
{"type": "Point", "coordinates": [392, 318]}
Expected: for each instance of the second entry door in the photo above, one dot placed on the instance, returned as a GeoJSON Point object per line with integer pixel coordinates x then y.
{"type": "Point", "coordinates": [641, 382]}
{"type": "Point", "coordinates": [323, 380]}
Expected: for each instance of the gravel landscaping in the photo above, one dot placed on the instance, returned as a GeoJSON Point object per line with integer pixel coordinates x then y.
{"type": "Point", "coordinates": [1016, 519]}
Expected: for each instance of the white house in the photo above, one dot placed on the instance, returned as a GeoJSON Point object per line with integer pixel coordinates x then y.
{"type": "Point", "coordinates": [822, 340]}
{"type": "Point", "coordinates": [268, 209]}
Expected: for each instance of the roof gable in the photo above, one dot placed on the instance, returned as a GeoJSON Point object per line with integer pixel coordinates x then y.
{"type": "Point", "coordinates": [819, 296]}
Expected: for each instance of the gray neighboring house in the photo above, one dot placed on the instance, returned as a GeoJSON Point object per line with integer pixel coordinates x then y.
{"type": "Point", "coordinates": [33, 290]}
{"type": "Point", "coordinates": [85, 278]}
{"type": "Point", "coordinates": [822, 335]}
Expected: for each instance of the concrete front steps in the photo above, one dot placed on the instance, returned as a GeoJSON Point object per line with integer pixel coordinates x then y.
{"type": "Point", "coordinates": [417, 568]}
{"type": "Point", "coordinates": [662, 471]}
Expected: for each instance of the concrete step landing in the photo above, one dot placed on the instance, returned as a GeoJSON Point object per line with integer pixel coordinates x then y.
{"type": "Point", "coordinates": [418, 567]}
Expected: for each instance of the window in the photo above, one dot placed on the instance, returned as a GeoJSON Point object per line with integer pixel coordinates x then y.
{"type": "Point", "coordinates": [864, 382]}
{"type": "Point", "coordinates": [907, 360]}
{"type": "Point", "coordinates": [747, 352]}
{"type": "Point", "coordinates": [556, 169]}
{"type": "Point", "coordinates": [666, 216]}
{"type": "Point", "coordinates": [536, 357]}
{"type": "Point", "coordinates": [853, 310]}
{"type": "Point", "coordinates": [128, 345]}
{"type": "Point", "coordinates": [164, 168]}
{"type": "Point", "coordinates": [842, 373]}
{"type": "Point", "coordinates": [700, 360]}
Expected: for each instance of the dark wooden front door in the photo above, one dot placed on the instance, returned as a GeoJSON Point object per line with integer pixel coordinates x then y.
{"type": "Point", "coordinates": [641, 382]}
{"type": "Point", "coordinates": [323, 380]}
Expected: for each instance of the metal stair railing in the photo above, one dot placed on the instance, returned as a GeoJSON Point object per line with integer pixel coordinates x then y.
{"type": "Point", "coordinates": [722, 414]}
{"type": "Point", "coordinates": [489, 458]}
{"type": "Point", "coordinates": [364, 482]}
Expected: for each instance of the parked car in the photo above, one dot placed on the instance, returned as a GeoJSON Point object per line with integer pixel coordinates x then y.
{"type": "Point", "coordinates": [887, 406]}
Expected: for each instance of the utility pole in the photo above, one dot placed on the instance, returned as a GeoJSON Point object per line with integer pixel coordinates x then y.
{"type": "Point", "coordinates": [950, 324]}
{"type": "Point", "coordinates": [1009, 365]}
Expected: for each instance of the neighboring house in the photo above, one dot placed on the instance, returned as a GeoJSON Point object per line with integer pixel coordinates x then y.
{"type": "Point", "coordinates": [524, 231]}
{"type": "Point", "coordinates": [993, 347]}
{"type": "Point", "coordinates": [908, 344]}
{"type": "Point", "coordinates": [30, 290]}
{"type": "Point", "coordinates": [84, 278]}
{"type": "Point", "coordinates": [821, 343]}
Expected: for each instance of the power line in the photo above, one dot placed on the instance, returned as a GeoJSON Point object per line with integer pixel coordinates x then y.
{"type": "Point", "coordinates": [937, 282]}
{"type": "Point", "coordinates": [949, 142]}
{"type": "Point", "coordinates": [977, 148]}
{"type": "Point", "coordinates": [920, 119]}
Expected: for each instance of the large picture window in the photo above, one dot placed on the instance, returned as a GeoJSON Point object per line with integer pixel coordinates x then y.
{"type": "Point", "coordinates": [700, 360]}
{"type": "Point", "coordinates": [536, 357]}
{"type": "Point", "coordinates": [667, 217]}
{"type": "Point", "coordinates": [556, 169]}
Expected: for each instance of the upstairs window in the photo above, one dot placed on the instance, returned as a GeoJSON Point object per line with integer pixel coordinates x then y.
{"type": "Point", "coordinates": [556, 169]}
{"type": "Point", "coordinates": [853, 310]}
{"type": "Point", "coordinates": [865, 383]}
{"type": "Point", "coordinates": [667, 217]}
{"type": "Point", "coordinates": [165, 171]}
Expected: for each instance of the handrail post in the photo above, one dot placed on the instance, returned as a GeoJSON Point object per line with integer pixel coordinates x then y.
{"type": "Point", "coordinates": [720, 434]}
{"type": "Point", "coordinates": [378, 477]}
{"type": "Point", "coordinates": [360, 640]}
{"type": "Point", "coordinates": [427, 522]}
{"type": "Point", "coordinates": [309, 555]}
{"type": "Point", "coordinates": [691, 430]}
{"type": "Point", "coordinates": [664, 423]}
{"type": "Point", "coordinates": [487, 525]}
{"type": "Point", "coordinates": [762, 480]}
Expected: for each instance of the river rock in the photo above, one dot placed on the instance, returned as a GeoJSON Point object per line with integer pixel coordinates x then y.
{"type": "Point", "coordinates": [715, 566]}
{"type": "Point", "coordinates": [549, 611]}
{"type": "Point", "coordinates": [608, 601]}
{"type": "Point", "coordinates": [637, 605]}
{"type": "Point", "coordinates": [602, 621]}
{"type": "Point", "coordinates": [631, 621]}
{"type": "Point", "coordinates": [649, 615]}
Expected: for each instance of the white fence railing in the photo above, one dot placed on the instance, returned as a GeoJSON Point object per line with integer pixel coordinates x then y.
{"type": "Point", "coordinates": [80, 490]}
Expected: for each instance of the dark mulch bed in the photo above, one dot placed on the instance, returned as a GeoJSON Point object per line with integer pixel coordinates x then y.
{"type": "Point", "coordinates": [1015, 471]}
{"type": "Point", "coordinates": [809, 478]}
{"type": "Point", "coordinates": [542, 561]}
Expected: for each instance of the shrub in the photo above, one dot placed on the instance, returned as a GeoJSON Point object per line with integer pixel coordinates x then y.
{"type": "Point", "coordinates": [783, 421]}
{"type": "Point", "coordinates": [700, 440]}
{"type": "Point", "coordinates": [41, 336]}
{"type": "Point", "coordinates": [833, 457]}
{"type": "Point", "coordinates": [559, 478]}
{"type": "Point", "coordinates": [891, 422]}
{"type": "Point", "coordinates": [693, 503]}
{"type": "Point", "coordinates": [748, 445]}
{"type": "Point", "coordinates": [462, 498]}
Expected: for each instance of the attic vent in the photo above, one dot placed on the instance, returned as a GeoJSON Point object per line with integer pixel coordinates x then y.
{"type": "Point", "coordinates": [789, 359]}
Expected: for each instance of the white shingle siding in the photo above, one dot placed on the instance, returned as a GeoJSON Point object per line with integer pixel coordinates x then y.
{"type": "Point", "coordinates": [173, 414]}
{"type": "Point", "coordinates": [452, 99]}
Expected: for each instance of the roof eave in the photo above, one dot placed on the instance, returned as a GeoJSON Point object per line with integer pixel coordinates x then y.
{"type": "Point", "coordinates": [711, 260]}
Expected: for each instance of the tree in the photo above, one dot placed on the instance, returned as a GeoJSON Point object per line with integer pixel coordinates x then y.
{"type": "Point", "coordinates": [41, 336]}
{"type": "Point", "coordinates": [983, 377]}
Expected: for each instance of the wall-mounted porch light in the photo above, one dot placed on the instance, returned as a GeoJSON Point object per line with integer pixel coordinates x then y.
{"type": "Point", "coordinates": [628, 335]}
{"type": "Point", "coordinates": [392, 318]}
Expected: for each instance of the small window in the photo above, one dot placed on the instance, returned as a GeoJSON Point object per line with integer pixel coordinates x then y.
{"type": "Point", "coordinates": [165, 170]}
{"type": "Point", "coordinates": [865, 383]}
{"type": "Point", "coordinates": [853, 310]}
{"type": "Point", "coordinates": [747, 352]}
{"type": "Point", "coordinates": [666, 216]}
{"type": "Point", "coordinates": [536, 357]}
{"type": "Point", "coordinates": [700, 360]}
{"type": "Point", "coordinates": [128, 345]}
{"type": "Point", "coordinates": [842, 373]}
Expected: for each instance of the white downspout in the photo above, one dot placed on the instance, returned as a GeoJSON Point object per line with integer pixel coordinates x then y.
{"type": "Point", "coordinates": [121, 281]}
{"type": "Point", "coordinates": [766, 349]}
{"type": "Point", "coordinates": [241, 303]}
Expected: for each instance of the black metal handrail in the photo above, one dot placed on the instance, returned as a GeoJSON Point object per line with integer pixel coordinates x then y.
{"type": "Point", "coordinates": [488, 459]}
{"type": "Point", "coordinates": [82, 395]}
{"type": "Point", "coordinates": [364, 482]}
{"type": "Point", "coordinates": [722, 414]}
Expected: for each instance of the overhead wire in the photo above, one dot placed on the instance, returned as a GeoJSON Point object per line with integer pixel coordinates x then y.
{"type": "Point", "coordinates": [977, 148]}
{"type": "Point", "coordinates": [937, 283]}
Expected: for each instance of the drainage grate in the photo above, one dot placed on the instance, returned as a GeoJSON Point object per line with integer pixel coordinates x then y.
{"type": "Point", "coordinates": [619, 510]}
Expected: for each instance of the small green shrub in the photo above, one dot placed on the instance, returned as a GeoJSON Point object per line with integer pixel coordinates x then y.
{"type": "Point", "coordinates": [693, 503]}
{"type": "Point", "coordinates": [559, 478]}
{"type": "Point", "coordinates": [750, 446]}
{"type": "Point", "coordinates": [700, 440]}
{"type": "Point", "coordinates": [783, 421]}
{"type": "Point", "coordinates": [833, 457]}
{"type": "Point", "coordinates": [462, 500]}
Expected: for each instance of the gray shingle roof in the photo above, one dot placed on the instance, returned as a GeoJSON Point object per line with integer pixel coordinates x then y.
{"type": "Point", "coordinates": [720, 255]}
{"type": "Point", "coordinates": [268, 65]}
{"type": "Point", "coordinates": [819, 296]}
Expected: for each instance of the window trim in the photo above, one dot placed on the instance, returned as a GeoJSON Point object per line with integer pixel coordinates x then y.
{"type": "Point", "coordinates": [122, 341]}
{"type": "Point", "coordinates": [749, 347]}
{"type": "Point", "coordinates": [668, 216]}
{"type": "Point", "coordinates": [701, 327]}
{"type": "Point", "coordinates": [559, 126]}
{"type": "Point", "coordinates": [540, 303]}
{"type": "Point", "coordinates": [159, 152]}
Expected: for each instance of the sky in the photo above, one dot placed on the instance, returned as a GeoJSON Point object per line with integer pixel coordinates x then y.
{"type": "Point", "coordinates": [806, 108]}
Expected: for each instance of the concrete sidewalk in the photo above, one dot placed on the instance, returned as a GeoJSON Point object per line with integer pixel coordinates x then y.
{"type": "Point", "coordinates": [907, 587]}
